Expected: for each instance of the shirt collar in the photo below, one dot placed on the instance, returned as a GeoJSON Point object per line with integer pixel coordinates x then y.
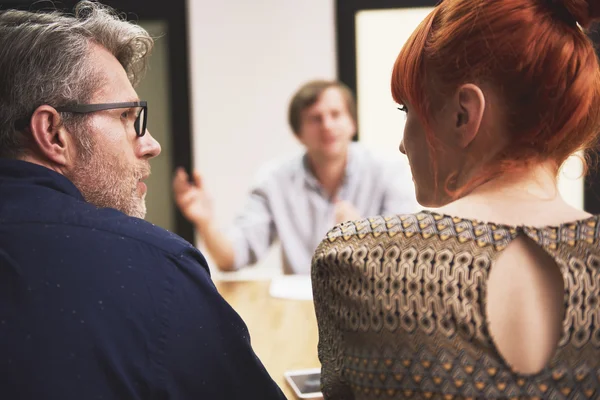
{"type": "Point", "coordinates": [23, 172]}
{"type": "Point", "coordinates": [351, 167]}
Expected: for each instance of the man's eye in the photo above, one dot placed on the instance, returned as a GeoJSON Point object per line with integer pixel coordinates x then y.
{"type": "Point", "coordinates": [125, 114]}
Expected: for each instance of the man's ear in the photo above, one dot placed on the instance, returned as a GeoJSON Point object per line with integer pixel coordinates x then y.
{"type": "Point", "coordinates": [354, 126]}
{"type": "Point", "coordinates": [469, 105]}
{"type": "Point", "coordinates": [50, 137]}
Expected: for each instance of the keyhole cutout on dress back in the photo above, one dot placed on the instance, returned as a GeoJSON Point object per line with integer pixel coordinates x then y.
{"type": "Point", "coordinates": [525, 305]}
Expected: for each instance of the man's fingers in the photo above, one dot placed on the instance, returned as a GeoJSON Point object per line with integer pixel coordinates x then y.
{"type": "Point", "coordinates": [342, 204]}
{"type": "Point", "coordinates": [180, 173]}
{"type": "Point", "coordinates": [185, 199]}
{"type": "Point", "coordinates": [339, 212]}
{"type": "Point", "coordinates": [197, 179]}
{"type": "Point", "coordinates": [345, 211]}
{"type": "Point", "coordinates": [180, 181]}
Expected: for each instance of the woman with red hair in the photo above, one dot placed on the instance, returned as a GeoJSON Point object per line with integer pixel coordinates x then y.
{"type": "Point", "coordinates": [495, 293]}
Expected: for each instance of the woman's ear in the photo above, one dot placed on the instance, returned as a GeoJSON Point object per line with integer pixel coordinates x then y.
{"type": "Point", "coordinates": [468, 108]}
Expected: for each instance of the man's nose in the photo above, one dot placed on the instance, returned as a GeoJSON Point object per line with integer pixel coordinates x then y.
{"type": "Point", "coordinates": [150, 148]}
{"type": "Point", "coordinates": [328, 123]}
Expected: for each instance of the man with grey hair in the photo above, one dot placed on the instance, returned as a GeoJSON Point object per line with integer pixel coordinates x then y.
{"type": "Point", "coordinates": [96, 303]}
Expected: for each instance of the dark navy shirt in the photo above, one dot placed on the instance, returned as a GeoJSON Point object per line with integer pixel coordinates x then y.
{"type": "Point", "coordinates": [98, 305]}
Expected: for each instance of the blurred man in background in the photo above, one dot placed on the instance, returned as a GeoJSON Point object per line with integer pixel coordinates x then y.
{"type": "Point", "coordinates": [96, 303]}
{"type": "Point", "coordinates": [298, 200]}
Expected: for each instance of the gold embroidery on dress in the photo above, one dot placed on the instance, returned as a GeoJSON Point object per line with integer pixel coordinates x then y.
{"type": "Point", "coordinates": [400, 303]}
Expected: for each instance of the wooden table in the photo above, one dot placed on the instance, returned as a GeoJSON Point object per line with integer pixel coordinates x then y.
{"type": "Point", "coordinates": [283, 332]}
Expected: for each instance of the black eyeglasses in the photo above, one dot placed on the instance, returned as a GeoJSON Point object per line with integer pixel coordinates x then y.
{"type": "Point", "coordinates": [140, 120]}
{"type": "Point", "coordinates": [139, 124]}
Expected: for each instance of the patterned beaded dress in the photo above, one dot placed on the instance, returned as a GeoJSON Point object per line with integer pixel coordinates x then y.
{"type": "Point", "coordinates": [400, 304]}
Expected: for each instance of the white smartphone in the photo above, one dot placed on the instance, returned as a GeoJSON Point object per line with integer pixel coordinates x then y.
{"type": "Point", "coordinates": [306, 383]}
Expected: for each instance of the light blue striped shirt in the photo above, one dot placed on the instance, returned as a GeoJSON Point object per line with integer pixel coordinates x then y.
{"type": "Point", "coordinates": [286, 202]}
